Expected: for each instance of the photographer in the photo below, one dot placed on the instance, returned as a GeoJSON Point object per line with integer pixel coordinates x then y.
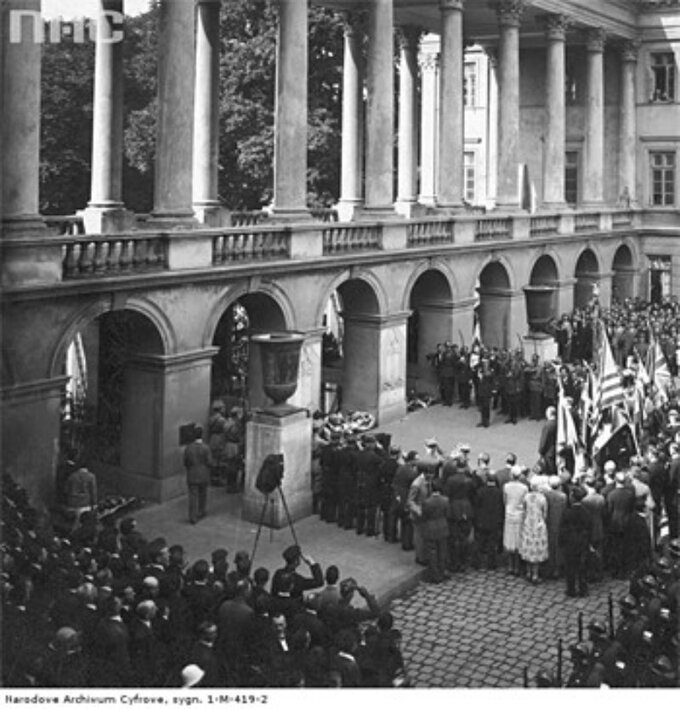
{"type": "Point", "coordinates": [292, 556]}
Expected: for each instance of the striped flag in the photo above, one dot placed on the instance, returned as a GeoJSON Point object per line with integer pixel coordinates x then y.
{"type": "Point", "coordinates": [476, 347]}
{"type": "Point", "coordinates": [661, 376]}
{"type": "Point", "coordinates": [611, 390]}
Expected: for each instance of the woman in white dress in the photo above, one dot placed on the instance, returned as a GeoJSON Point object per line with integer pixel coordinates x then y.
{"type": "Point", "coordinates": [514, 493]}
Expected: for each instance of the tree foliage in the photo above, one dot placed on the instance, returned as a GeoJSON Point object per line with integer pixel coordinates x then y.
{"type": "Point", "coordinates": [248, 31]}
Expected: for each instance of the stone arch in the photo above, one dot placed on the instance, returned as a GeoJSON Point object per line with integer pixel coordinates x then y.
{"type": "Point", "coordinates": [542, 293]}
{"type": "Point", "coordinates": [504, 263]}
{"type": "Point", "coordinates": [369, 278]}
{"type": "Point", "coordinates": [435, 265]}
{"type": "Point", "coordinates": [587, 274]}
{"type": "Point", "coordinates": [92, 311]}
{"type": "Point", "coordinates": [495, 300]}
{"type": "Point", "coordinates": [623, 273]}
{"type": "Point", "coordinates": [544, 271]}
{"type": "Point", "coordinates": [231, 294]}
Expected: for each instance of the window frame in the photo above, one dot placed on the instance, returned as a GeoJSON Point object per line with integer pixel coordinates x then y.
{"type": "Point", "coordinates": [671, 76]}
{"type": "Point", "coordinates": [666, 168]}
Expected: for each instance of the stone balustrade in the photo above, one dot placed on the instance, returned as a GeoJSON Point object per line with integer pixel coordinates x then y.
{"type": "Point", "coordinates": [67, 255]}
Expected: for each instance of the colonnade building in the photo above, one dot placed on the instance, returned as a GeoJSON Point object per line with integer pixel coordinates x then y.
{"type": "Point", "coordinates": [537, 144]}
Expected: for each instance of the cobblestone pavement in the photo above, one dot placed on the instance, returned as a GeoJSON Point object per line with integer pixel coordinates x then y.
{"type": "Point", "coordinates": [482, 628]}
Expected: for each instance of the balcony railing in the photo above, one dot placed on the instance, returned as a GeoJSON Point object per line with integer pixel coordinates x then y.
{"type": "Point", "coordinates": [428, 232]}
{"type": "Point", "coordinates": [262, 243]}
{"type": "Point", "coordinates": [115, 255]}
{"type": "Point", "coordinates": [351, 237]}
{"type": "Point", "coordinates": [493, 229]}
{"type": "Point", "coordinates": [61, 254]}
{"type": "Point", "coordinates": [544, 225]}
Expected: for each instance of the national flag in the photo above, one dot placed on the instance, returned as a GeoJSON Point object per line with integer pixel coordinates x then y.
{"type": "Point", "coordinates": [566, 428]}
{"type": "Point", "coordinates": [611, 390]}
{"type": "Point", "coordinates": [614, 436]}
{"type": "Point", "coordinates": [476, 347]}
{"type": "Point", "coordinates": [662, 375]}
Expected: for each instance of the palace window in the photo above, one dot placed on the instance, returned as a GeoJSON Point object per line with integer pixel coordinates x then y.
{"type": "Point", "coordinates": [663, 73]}
{"type": "Point", "coordinates": [470, 84]}
{"type": "Point", "coordinates": [469, 164]}
{"type": "Point", "coordinates": [663, 178]}
{"type": "Point", "coordinates": [571, 177]}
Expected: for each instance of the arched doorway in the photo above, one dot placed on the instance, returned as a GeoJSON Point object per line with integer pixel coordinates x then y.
{"type": "Point", "coordinates": [430, 323]}
{"type": "Point", "coordinates": [624, 273]}
{"type": "Point", "coordinates": [350, 348]}
{"type": "Point", "coordinates": [494, 305]}
{"type": "Point", "coordinates": [236, 372]}
{"type": "Point", "coordinates": [587, 274]}
{"type": "Point", "coordinates": [541, 294]}
{"type": "Point", "coordinates": [110, 416]}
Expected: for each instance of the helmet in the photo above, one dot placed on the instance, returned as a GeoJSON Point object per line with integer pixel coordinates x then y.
{"type": "Point", "coordinates": [648, 584]}
{"type": "Point", "coordinates": [662, 668]}
{"type": "Point", "coordinates": [674, 548]}
{"type": "Point", "coordinates": [663, 567]}
{"type": "Point", "coordinates": [627, 604]}
{"type": "Point", "coordinates": [581, 651]}
{"type": "Point", "coordinates": [545, 678]}
{"type": "Point", "coordinates": [597, 629]}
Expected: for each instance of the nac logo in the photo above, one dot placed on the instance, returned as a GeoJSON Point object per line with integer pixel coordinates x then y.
{"type": "Point", "coordinates": [29, 26]}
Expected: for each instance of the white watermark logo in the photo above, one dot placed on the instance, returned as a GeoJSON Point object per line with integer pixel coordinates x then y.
{"type": "Point", "coordinates": [107, 28]}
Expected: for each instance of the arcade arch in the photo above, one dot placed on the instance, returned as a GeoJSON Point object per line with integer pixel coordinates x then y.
{"type": "Point", "coordinates": [110, 411]}
{"type": "Point", "coordinates": [430, 323]}
{"type": "Point", "coordinates": [624, 274]}
{"type": "Point", "coordinates": [587, 274]}
{"type": "Point", "coordinates": [541, 294]}
{"type": "Point", "coordinates": [495, 294]}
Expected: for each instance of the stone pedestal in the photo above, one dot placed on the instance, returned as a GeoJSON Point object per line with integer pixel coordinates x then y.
{"type": "Point", "coordinates": [99, 219]}
{"type": "Point", "coordinates": [541, 344]}
{"type": "Point", "coordinates": [290, 434]}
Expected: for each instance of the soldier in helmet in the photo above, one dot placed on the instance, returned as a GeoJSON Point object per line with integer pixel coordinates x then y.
{"type": "Point", "coordinates": [661, 672]}
{"type": "Point", "coordinates": [582, 662]}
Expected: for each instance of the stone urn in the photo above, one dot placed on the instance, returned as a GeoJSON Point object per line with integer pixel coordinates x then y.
{"type": "Point", "coordinates": [280, 356]}
{"type": "Point", "coordinates": [540, 301]}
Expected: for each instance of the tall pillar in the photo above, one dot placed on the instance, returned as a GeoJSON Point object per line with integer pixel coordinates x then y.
{"type": "Point", "coordinates": [351, 164]}
{"type": "Point", "coordinates": [509, 17]}
{"type": "Point", "coordinates": [207, 208]}
{"type": "Point", "coordinates": [105, 212]}
{"type": "Point", "coordinates": [174, 133]}
{"type": "Point", "coordinates": [492, 129]}
{"type": "Point", "coordinates": [20, 105]}
{"type": "Point", "coordinates": [554, 146]}
{"type": "Point", "coordinates": [290, 123]}
{"type": "Point", "coordinates": [408, 139]}
{"type": "Point", "coordinates": [379, 110]}
{"type": "Point", "coordinates": [451, 108]}
{"type": "Point", "coordinates": [628, 128]}
{"type": "Point", "coordinates": [593, 149]}
{"type": "Point", "coordinates": [429, 72]}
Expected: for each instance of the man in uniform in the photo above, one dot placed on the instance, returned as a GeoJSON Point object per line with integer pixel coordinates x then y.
{"type": "Point", "coordinates": [574, 539]}
{"type": "Point", "coordinates": [485, 386]}
{"type": "Point", "coordinates": [420, 490]}
{"type": "Point", "coordinates": [369, 463]}
{"type": "Point", "coordinates": [329, 459]}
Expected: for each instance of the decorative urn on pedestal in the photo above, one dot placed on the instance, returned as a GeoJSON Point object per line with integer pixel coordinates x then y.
{"type": "Point", "coordinates": [280, 355]}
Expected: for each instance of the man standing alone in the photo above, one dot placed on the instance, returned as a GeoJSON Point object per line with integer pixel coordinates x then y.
{"type": "Point", "coordinates": [197, 461]}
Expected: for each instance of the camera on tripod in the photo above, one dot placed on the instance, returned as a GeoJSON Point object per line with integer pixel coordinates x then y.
{"type": "Point", "coordinates": [271, 474]}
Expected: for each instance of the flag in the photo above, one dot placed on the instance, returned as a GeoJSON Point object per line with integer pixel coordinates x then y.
{"type": "Point", "coordinates": [641, 380]}
{"type": "Point", "coordinates": [476, 347]}
{"type": "Point", "coordinates": [611, 390]}
{"type": "Point", "coordinates": [662, 375]}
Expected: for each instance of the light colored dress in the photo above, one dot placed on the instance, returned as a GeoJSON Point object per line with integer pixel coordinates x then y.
{"type": "Point", "coordinates": [533, 543]}
{"type": "Point", "coordinates": [514, 493]}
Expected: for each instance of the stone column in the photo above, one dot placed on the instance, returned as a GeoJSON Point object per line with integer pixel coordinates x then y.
{"type": "Point", "coordinates": [492, 129]}
{"type": "Point", "coordinates": [429, 71]}
{"type": "Point", "coordinates": [451, 108]}
{"type": "Point", "coordinates": [20, 105]}
{"type": "Point", "coordinates": [509, 17]}
{"type": "Point", "coordinates": [174, 132]}
{"type": "Point", "coordinates": [290, 126]}
{"type": "Point", "coordinates": [380, 110]}
{"type": "Point", "coordinates": [553, 152]}
{"type": "Point", "coordinates": [105, 212]}
{"type": "Point", "coordinates": [408, 138]}
{"type": "Point", "coordinates": [628, 128]}
{"type": "Point", "coordinates": [207, 208]}
{"type": "Point", "coordinates": [351, 164]}
{"type": "Point", "coordinates": [593, 148]}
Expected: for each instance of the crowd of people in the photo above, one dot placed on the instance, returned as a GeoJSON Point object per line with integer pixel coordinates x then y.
{"type": "Point", "coordinates": [106, 607]}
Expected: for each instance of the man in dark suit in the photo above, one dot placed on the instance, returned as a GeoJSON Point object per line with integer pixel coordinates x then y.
{"type": "Point", "coordinates": [620, 502]}
{"type": "Point", "coordinates": [234, 617]}
{"type": "Point", "coordinates": [110, 648]}
{"type": "Point", "coordinates": [485, 386]}
{"type": "Point", "coordinates": [369, 463]}
{"type": "Point", "coordinates": [489, 513]}
{"type": "Point", "coordinates": [204, 655]}
{"type": "Point", "coordinates": [80, 490]}
{"type": "Point", "coordinates": [292, 556]}
{"type": "Point", "coordinates": [197, 461]}
{"type": "Point", "coordinates": [574, 538]}
{"type": "Point", "coordinates": [547, 447]}
{"type": "Point", "coordinates": [436, 532]}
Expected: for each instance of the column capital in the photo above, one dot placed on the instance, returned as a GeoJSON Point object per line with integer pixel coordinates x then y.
{"type": "Point", "coordinates": [409, 36]}
{"type": "Point", "coordinates": [555, 26]}
{"type": "Point", "coordinates": [354, 22]}
{"type": "Point", "coordinates": [596, 38]}
{"type": "Point", "coordinates": [428, 60]}
{"type": "Point", "coordinates": [446, 5]}
{"type": "Point", "coordinates": [629, 50]}
{"type": "Point", "coordinates": [509, 12]}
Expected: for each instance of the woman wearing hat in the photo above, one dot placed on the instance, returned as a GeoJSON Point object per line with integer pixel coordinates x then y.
{"type": "Point", "coordinates": [514, 493]}
{"type": "Point", "coordinates": [533, 543]}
